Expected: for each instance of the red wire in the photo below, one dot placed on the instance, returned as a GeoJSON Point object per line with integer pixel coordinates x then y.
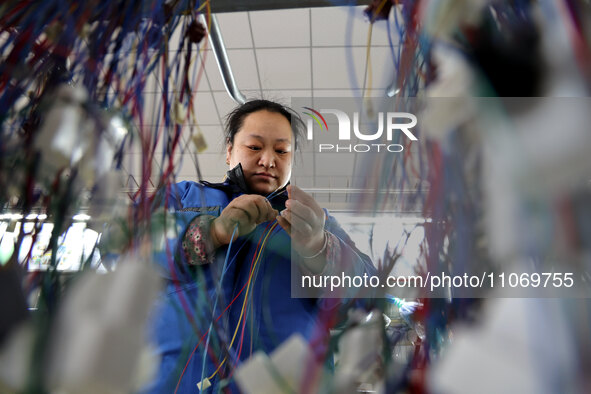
{"type": "Point", "coordinates": [244, 322]}
{"type": "Point", "coordinates": [19, 6]}
{"type": "Point", "coordinates": [243, 327]}
{"type": "Point", "coordinates": [224, 311]}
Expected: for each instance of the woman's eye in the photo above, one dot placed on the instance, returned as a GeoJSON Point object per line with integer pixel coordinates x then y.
{"type": "Point", "coordinates": [252, 147]}
{"type": "Point", "coordinates": [281, 152]}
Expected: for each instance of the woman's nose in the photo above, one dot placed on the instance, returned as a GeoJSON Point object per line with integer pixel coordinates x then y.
{"type": "Point", "coordinates": [267, 159]}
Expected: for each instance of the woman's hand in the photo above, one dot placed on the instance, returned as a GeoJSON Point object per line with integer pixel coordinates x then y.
{"type": "Point", "coordinates": [247, 211]}
{"type": "Point", "coordinates": [303, 219]}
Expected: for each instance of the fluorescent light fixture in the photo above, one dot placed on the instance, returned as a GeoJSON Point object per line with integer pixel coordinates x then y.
{"type": "Point", "coordinates": [380, 218]}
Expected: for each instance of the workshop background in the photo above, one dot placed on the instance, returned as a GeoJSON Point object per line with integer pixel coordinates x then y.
{"type": "Point", "coordinates": [104, 102]}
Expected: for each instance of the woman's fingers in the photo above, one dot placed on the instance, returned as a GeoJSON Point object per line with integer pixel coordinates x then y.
{"type": "Point", "coordinates": [297, 194]}
{"type": "Point", "coordinates": [302, 212]}
{"type": "Point", "coordinates": [228, 220]}
{"type": "Point", "coordinates": [265, 210]}
{"type": "Point", "coordinates": [246, 212]}
{"type": "Point", "coordinates": [303, 218]}
{"type": "Point", "coordinates": [257, 208]}
{"type": "Point", "coordinates": [306, 214]}
{"type": "Point", "coordinates": [295, 223]}
{"type": "Point", "coordinates": [300, 232]}
{"type": "Point", "coordinates": [285, 224]}
{"type": "Point", "coordinates": [286, 214]}
{"type": "Point", "coordinates": [239, 215]}
{"type": "Point", "coordinates": [306, 220]}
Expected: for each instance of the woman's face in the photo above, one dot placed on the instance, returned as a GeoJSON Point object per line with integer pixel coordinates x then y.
{"type": "Point", "coordinates": [263, 145]}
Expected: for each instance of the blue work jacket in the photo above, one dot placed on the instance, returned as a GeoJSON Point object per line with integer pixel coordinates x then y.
{"type": "Point", "coordinates": [205, 305]}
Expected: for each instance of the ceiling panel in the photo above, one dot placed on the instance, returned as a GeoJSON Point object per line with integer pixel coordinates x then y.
{"type": "Point", "coordinates": [286, 68]}
{"type": "Point", "coordinates": [205, 109]}
{"type": "Point", "coordinates": [253, 94]}
{"type": "Point", "coordinates": [332, 67]}
{"type": "Point", "coordinates": [209, 165]}
{"type": "Point", "coordinates": [235, 28]}
{"type": "Point", "coordinates": [250, 5]}
{"type": "Point", "coordinates": [345, 68]}
{"type": "Point", "coordinates": [344, 26]}
{"type": "Point", "coordinates": [377, 92]}
{"type": "Point", "coordinates": [214, 137]}
{"type": "Point", "coordinates": [284, 96]}
{"type": "Point", "coordinates": [212, 72]}
{"type": "Point", "coordinates": [244, 67]}
{"type": "Point", "coordinates": [152, 109]}
{"type": "Point", "coordinates": [279, 55]}
{"type": "Point", "coordinates": [281, 28]}
{"type": "Point", "coordinates": [225, 103]}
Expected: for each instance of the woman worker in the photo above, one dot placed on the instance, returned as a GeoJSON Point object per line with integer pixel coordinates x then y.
{"type": "Point", "coordinates": [229, 284]}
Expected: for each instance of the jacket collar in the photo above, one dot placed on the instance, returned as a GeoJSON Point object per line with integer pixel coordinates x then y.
{"type": "Point", "coordinates": [235, 185]}
{"type": "Point", "coordinates": [236, 177]}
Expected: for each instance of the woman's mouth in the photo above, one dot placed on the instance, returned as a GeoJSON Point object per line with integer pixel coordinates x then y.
{"type": "Point", "coordinates": [265, 175]}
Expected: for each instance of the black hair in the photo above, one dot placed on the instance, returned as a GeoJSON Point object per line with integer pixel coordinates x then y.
{"type": "Point", "coordinates": [235, 119]}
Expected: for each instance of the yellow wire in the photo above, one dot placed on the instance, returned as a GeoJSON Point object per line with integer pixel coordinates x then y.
{"type": "Point", "coordinates": [192, 117]}
{"type": "Point", "coordinates": [245, 297]}
{"type": "Point", "coordinates": [368, 61]}
{"type": "Point", "coordinates": [203, 5]}
{"type": "Point", "coordinates": [368, 57]}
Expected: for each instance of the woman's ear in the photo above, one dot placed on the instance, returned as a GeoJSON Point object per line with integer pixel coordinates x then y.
{"type": "Point", "coordinates": [228, 151]}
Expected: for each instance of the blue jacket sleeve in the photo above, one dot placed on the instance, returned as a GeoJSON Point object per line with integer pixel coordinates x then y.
{"type": "Point", "coordinates": [346, 267]}
{"type": "Point", "coordinates": [173, 212]}
{"type": "Point", "coordinates": [360, 263]}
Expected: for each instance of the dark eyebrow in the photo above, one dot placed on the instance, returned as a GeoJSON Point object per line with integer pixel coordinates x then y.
{"type": "Point", "coordinates": [258, 137]}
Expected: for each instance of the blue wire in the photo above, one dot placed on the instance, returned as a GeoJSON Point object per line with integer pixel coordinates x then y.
{"type": "Point", "coordinates": [392, 44]}
{"type": "Point", "coordinates": [214, 308]}
{"type": "Point", "coordinates": [274, 194]}
{"type": "Point", "coordinates": [401, 34]}
{"type": "Point", "coordinates": [349, 54]}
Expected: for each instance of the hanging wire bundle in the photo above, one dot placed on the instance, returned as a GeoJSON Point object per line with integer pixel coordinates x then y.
{"type": "Point", "coordinates": [71, 67]}
{"type": "Point", "coordinates": [500, 48]}
{"type": "Point", "coordinates": [73, 84]}
{"type": "Point", "coordinates": [89, 65]}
